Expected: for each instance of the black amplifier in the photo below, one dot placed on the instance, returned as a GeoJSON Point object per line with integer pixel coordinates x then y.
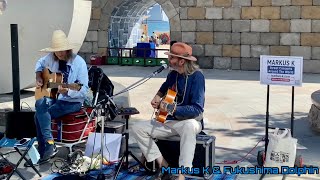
{"type": "Point", "coordinates": [204, 155]}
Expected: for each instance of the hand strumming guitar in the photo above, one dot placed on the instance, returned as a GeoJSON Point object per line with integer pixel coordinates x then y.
{"type": "Point", "coordinates": [39, 81]}
{"type": "Point", "coordinates": [156, 101]}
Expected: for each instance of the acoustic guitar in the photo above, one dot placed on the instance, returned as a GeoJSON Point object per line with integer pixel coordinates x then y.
{"type": "Point", "coordinates": [161, 116]}
{"type": "Point", "coordinates": [51, 81]}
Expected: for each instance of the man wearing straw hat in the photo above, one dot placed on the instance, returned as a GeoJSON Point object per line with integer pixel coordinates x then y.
{"type": "Point", "coordinates": [60, 59]}
{"type": "Point", "coordinates": [185, 114]}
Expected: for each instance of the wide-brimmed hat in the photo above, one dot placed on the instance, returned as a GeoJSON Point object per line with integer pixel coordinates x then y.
{"type": "Point", "coordinates": [59, 42]}
{"type": "Point", "coordinates": [181, 50]}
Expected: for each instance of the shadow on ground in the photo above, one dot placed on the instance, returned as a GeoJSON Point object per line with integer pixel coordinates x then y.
{"type": "Point", "coordinates": [308, 140]}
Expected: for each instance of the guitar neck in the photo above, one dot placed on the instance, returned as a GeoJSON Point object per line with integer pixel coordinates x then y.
{"type": "Point", "coordinates": [55, 85]}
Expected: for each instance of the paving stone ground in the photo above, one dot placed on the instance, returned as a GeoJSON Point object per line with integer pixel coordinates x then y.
{"type": "Point", "coordinates": [235, 112]}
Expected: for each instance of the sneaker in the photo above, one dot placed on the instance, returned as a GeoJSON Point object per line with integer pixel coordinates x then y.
{"type": "Point", "coordinates": [50, 151]}
{"type": "Point", "coordinates": [43, 160]}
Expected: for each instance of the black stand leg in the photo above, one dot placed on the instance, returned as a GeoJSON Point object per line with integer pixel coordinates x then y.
{"type": "Point", "coordinates": [127, 152]}
{"type": "Point", "coordinates": [262, 176]}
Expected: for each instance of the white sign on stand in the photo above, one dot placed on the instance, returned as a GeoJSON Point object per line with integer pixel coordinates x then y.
{"type": "Point", "coordinates": [281, 70]}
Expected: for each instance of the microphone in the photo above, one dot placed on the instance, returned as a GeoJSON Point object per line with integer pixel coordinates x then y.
{"type": "Point", "coordinates": [164, 66]}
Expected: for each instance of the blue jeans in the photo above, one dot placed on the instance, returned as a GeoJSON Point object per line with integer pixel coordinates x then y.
{"type": "Point", "coordinates": [46, 110]}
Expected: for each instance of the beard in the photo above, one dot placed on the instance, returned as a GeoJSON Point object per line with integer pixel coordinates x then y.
{"type": "Point", "coordinates": [174, 66]}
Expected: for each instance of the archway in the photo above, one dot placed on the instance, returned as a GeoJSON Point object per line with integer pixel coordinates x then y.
{"type": "Point", "coordinates": [118, 19]}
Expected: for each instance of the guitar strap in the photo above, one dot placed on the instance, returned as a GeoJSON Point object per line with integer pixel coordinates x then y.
{"type": "Point", "coordinates": [65, 69]}
{"type": "Point", "coordinates": [181, 93]}
{"type": "Point", "coordinates": [66, 74]}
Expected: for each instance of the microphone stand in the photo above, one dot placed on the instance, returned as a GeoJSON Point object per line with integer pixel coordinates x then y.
{"type": "Point", "coordinates": [127, 114]}
{"type": "Point", "coordinates": [101, 105]}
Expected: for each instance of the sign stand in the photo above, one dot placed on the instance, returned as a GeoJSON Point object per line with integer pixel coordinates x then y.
{"type": "Point", "coordinates": [267, 116]}
{"type": "Point", "coordinates": [279, 70]}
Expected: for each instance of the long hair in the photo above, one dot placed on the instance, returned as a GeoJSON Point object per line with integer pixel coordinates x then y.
{"type": "Point", "coordinates": [68, 56]}
{"type": "Point", "coordinates": [190, 67]}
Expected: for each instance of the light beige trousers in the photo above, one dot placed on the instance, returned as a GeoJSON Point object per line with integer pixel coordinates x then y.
{"type": "Point", "coordinates": [145, 132]}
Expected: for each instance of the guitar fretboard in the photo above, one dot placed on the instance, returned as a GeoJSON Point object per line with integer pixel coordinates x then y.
{"type": "Point", "coordinates": [64, 85]}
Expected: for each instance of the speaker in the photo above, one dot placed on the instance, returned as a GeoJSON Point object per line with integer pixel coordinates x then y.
{"type": "Point", "coordinates": [20, 124]}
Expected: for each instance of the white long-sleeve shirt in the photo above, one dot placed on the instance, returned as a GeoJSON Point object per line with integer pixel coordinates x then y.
{"type": "Point", "coordinates": [78, 73]}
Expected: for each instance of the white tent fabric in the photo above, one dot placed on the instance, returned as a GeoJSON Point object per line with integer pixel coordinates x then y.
{"type": "Point", "coordinates": [36, 21]}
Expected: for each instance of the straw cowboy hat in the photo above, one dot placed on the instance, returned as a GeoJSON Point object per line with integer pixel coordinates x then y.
{"type": "Point", "coordinates": [59, 42]}
{"type": "Point", "coordinates": [181, 50]}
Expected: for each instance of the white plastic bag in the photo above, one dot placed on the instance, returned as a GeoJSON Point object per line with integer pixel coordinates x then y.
{"type": "Point", "coordinates": [112, 143]}
{"type": "Point", "coordinates": [281, 150]}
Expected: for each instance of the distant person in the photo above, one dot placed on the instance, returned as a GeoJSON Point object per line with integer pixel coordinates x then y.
{"type": "Point", "coordinates": [142, 39]}
{"type": "Point", "coordinates": [157, 41]}
{"type": "Point", "coordinates": [165, 39]}
{"type": "Point", "coordinates": [160, 41]}
{"type": "Point", "coordinates": [154, 35]}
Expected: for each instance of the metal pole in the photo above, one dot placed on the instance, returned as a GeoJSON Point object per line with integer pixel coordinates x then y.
{"type": "Point", "coordinates": [102, 139]}
{"type": "Point", "coordinates": [15, 67]}
{"type": "Point", "coordinates": [267, 120]}
{"type": "Point", "coordinates": [292, 110]}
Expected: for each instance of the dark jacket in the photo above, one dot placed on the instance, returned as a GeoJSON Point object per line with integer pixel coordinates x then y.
{"type": "Point", "coordinates": [192, 104]}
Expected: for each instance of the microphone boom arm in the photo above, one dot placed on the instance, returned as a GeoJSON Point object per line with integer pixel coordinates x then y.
{"type": "Point", "coordinates": [164, 66]}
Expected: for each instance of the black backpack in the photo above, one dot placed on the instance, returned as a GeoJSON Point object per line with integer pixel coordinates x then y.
{"type": "Point", "coordinates": [96, 76]}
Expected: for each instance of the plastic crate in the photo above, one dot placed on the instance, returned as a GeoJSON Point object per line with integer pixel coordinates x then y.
{"type": "Point", "coordinates": [126, 61]}
{"type": "Point", "coordinates": [96, 60]}
{"type": "Point", "coordinates": [159, 61]}
{"type": "Point", "coordinates": [138, 61]}
{"type": "Point", "coordinates": [112, 60]}
{"type": "Point", "coordinates": [151, 62]}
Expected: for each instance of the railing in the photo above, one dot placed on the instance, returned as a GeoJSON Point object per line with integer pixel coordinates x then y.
{"type": "Point", "coordinates": [135, 56]}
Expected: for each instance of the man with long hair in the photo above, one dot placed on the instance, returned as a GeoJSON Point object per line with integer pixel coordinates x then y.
{"type": "Point", "coordinates": [185, 115]}
{"type": "Point", "coordinates": [60, 59]}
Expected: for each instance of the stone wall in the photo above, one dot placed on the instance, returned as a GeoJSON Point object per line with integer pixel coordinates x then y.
{"type": "Point", "coordinates": [231, 34]}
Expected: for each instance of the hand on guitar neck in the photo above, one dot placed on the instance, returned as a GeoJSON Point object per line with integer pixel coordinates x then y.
{"type": "Point", "coordinates": [49, 84]}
